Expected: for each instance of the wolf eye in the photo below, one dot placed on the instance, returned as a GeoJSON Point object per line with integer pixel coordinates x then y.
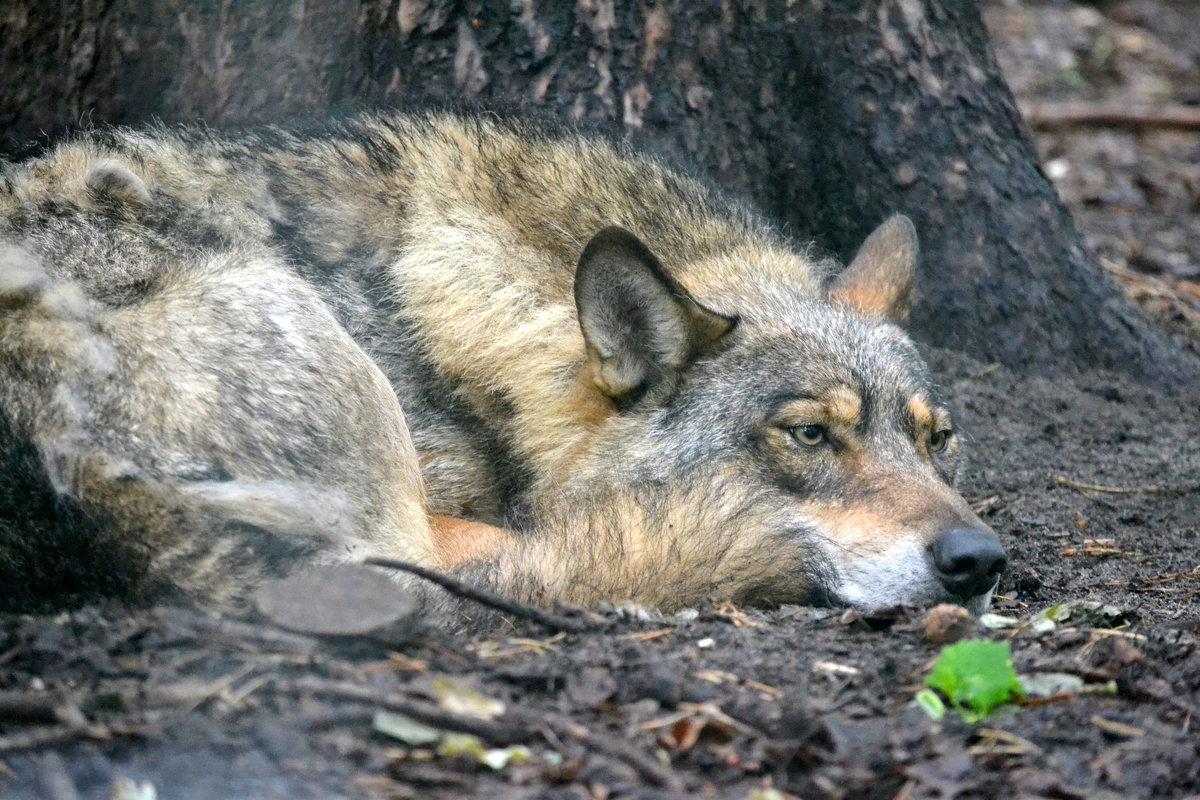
{"type": "Point", "coordinates": [809, 435]}
{"type": "Point", "coordinates": [938, 441]}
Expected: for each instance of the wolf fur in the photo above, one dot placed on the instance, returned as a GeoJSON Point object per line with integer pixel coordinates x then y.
{"type": "Point", "coordinates": [554, 366]}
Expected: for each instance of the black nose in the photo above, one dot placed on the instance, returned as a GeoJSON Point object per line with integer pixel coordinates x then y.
{"type": "Point", "coordinates": [968, 560]}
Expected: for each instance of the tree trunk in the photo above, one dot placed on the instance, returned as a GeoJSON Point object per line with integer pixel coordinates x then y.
{"type": "Point", "coordinates": [829, 116]}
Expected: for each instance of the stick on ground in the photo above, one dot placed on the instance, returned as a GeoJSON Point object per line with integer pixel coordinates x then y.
{"type": "Point", "coordinates": [484, 597]}
{"type": "Point", "coordinates": [1186, 488]}
{"type": "Point", "coordinates": [1071, 115]}
{"type": "Point", "coordinates": [494, 731]}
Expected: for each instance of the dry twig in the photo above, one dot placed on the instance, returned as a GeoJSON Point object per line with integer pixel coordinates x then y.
{"type": "Point", "coordinates": [488, 730]}
{"type": "Point", "coordinates": [994, 741]}
{"type": "Point", "coordinates": [1098, 547]}
{"type": "Point", "coordinates": [46, 708]}
{"type": "Point", "coordinates": [51, 735]}
{"type": "Point", "coordinates": [1049, 116]}
{"type": "Point", "coordinates": [1164, 489]}
{"type": "Point", "coordinates": [1117, 728]}
{"type": "Point", "coordinates": [554, 622]}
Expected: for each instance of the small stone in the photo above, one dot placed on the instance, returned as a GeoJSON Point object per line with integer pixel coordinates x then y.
{"type": "Point", "coordinates": [343, 600]}
{"type": "Point", "coordinates": [685, 617]}
{"type": "Point", "coordinates": [905, 175]}
{"type": "Point", "coordinates": [590, 687]}
{"type": "Point", "coordinates": [947, 623]}
{"type": "Point", "coordinates": [1123, 652]}
{"type": "Point", "coordinates": [1050, 684]}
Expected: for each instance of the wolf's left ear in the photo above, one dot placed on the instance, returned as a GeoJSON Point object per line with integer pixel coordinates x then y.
{"type": "Point", "coordinates": [878, 281]}
{"type": "Point", "coordinates": [640, 325]}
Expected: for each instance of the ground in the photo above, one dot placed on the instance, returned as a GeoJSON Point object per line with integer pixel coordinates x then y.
{"type": "Point", "coordinates": [727, 703]}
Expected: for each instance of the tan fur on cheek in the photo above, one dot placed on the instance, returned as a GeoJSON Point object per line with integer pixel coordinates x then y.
{"type": "Point", "coordinates": [901, 509]}
{"type": "Point", "coordinates": [856, 529]}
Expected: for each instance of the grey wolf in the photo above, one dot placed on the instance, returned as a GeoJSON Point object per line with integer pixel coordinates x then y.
{"type": "Point", "coordinates": [556, 367]}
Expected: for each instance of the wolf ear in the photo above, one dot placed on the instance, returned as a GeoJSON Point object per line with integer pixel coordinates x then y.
{"type": "Point", "coordinates": [116, 182]}
{"type": "Point", "coordinates": [640, 326]}
{"type": "Point", "coordinates": [879, 279]}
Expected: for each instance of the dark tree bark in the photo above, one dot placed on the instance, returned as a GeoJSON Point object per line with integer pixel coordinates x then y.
{"type": "Point", "coordinates": [829, 116]}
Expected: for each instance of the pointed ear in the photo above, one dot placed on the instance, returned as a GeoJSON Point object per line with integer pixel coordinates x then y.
{"type": "Point", "coordinates": [640, 326]}
{"type": "Point", "coordinates": [878, 281]}
{"type": "Point", "coordinates": [114, 181]}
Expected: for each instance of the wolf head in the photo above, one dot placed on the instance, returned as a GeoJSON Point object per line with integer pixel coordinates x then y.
{"type": "Point", "coordinates": [832, 455]}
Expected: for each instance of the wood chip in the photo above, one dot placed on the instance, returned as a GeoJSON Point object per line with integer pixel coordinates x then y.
{"type": "Point", "coordinates": [834, 668]}
{"type": "Point", "coordinates": [1117, 728]}
{"type": "Point", "coordinates": [645, 636]}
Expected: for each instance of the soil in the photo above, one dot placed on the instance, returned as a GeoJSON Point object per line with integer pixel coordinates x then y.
{"type": "Point", "coordinates": [1092, 482]}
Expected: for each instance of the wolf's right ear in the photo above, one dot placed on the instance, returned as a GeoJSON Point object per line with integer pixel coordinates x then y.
{"type": "Point", "coordinates": [878, 281]}
{"type": "Point", "coordinates": [640, 325]}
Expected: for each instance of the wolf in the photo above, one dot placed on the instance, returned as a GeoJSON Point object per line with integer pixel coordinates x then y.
{"type": "Point", "coordinates": [534, 358]}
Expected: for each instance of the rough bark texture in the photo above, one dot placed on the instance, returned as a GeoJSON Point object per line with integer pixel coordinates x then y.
{"type": "Point", "coordinates": [829, 116]}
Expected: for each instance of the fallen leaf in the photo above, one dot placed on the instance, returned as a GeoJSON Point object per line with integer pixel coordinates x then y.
{"type": "Point", "coordinates": [461, 744]}
{"type": "Point", "coordinates": [406, 729]}
{"type": "Point", "coordinates": [1092, 612]}
{"type": "Point", "coordinates": [454, 697]}
{"type": "Point", "coordinates": [995, 622]}
{"type": "Point", "coordinates": [500, 758]}
{"type": "Point", "coordinates": [976, 676]}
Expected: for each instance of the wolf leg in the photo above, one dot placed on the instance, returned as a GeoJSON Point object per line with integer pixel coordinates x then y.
{"type": "Point", "coordinates": [460, 541]}
{"type": "Point", "coordinates": [221, 426]}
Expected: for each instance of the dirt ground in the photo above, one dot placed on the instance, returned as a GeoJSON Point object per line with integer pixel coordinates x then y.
{"type": "Point", "coordinates": [740, 704]}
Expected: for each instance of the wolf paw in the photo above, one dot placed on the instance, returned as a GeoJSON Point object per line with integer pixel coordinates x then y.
{"type": "Point", "coordinates": [22, 278]}
{"type": "Point", "coordinates": [24, 281]}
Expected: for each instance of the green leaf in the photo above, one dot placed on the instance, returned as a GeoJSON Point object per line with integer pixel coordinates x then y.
{"type": "Point", "coordinates": [976, 676]}
{"type": "Point", "coordinates": [461, 744]}
{"type": "Point", "coordinates": [931, 704]}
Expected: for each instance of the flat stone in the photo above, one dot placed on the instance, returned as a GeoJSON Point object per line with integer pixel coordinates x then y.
{"type": "Point", "coordinates": [340, 600]}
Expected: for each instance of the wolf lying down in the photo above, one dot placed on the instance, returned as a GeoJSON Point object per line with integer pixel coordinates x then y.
{"type": "Point", "coordinates": [553, 367]}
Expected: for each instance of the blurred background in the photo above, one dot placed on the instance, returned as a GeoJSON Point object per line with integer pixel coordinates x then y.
{"type": "Point", "coordinates": [1112, 93]}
